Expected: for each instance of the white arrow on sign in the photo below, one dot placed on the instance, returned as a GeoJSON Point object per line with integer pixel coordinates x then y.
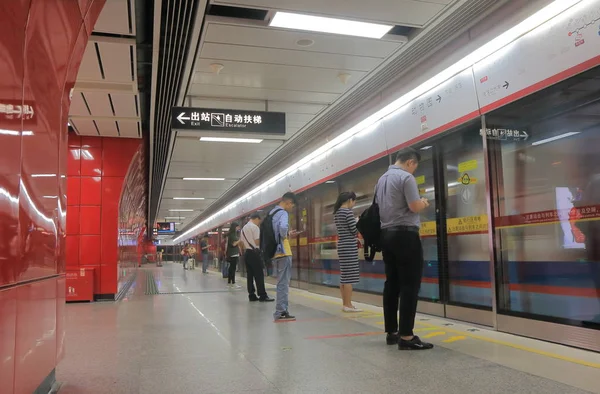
{"type": "Point", "coordinates": [181, 118]}
{"type": "Point", "coordinates": [525, 135]}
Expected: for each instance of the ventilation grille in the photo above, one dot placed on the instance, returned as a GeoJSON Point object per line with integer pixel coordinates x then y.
{"type": "Point", "coordinates": [416, 51]}
{"type": "Point", "coordinates": [176, 26]}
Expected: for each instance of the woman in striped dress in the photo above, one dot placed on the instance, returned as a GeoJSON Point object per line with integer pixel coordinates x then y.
{"type": "Point", "coordinates": [347, 247]}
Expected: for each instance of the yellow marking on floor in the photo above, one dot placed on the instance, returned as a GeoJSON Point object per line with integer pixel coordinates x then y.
{"type": "Point", "coordinates": [454, 339]}
{"type": "Point", "coordinates": [482, 338]}
{"type": "Point", "coordinates": [434, 334]}
{"type": "Point", "coordinates": [518, 347]}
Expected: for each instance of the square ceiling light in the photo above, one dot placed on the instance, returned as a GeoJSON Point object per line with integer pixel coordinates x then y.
{"type": "Point", "coordinates": [323, 24]}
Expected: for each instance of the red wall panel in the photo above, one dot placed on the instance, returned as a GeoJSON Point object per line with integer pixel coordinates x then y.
{"type": "Point", "coordinates": [73, 220]}
{"type": "Point", "coordinates": [89, 220]}
{"type": "Point", "coordinates": [72, 251]}
{"type": "Point", "coordinates": [42, 45]}
{"type": "Point", "coordinates": [73, 190]}
{"type": "Point", "coordinates": [108, 160]}
{"type": "Point", "coordinates": [91, 190]}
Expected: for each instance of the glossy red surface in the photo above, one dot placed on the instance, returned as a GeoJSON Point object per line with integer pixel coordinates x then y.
{"type": "Point", "coordinates": [42, 44]}
{"type": "Point", "coordinates": [35, 348]}
{"type": "Point", "coordinates": [8, 326]}
{"type": "Point", "coordinates": [108, 160]}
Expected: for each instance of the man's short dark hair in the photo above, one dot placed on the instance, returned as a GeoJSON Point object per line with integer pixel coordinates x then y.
{"type": "Point", "coordinates": [255, 215]}
{"type": "Point", "coordinates": [289, 196]}
{"type": "Point", "coordinates": [407, 154]}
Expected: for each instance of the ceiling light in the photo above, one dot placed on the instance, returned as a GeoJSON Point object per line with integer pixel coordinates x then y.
{"type": "Point", "coordinates": [330, 182]}
{"type": "Point", "coordinates": [43, 175]}
{"type": "Point", "coordinates": [545, 14]}
{"type": "Point", "coordinates": [323, 24]}
{"type": "Point", "coordinates": [426, 147]}
{"type": "Point", "coordinates": [188, 198]}
{"type": "Point", "coordinates": [181, 210]}
{"type": "Point", "coordinates": [305, 42]}
{"type": "Point", "coordinates": [558, 137]}
{"type": "Point", "coordinates": [174, 217]}
{"type": "Point", "coordinates": [224, 139]}
{"type": "Point", "coordinates": [203, 179]}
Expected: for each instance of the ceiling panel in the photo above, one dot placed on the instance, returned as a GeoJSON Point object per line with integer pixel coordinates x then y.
{"type": "Point", "coordinates": [117, 62]}
{"type": "Point", "coordinates": [228, 104]}
{"type": "Point", "coordinates": [117, 18]}
{"type": "Point", "coordinates": [296, 57]}
{"type": "Point", "coordinates": [263, 94]}
{"type": "Point", "coordinates": [397, 12]}
{"type": "Point", "coordinates": [272, 76]}
{"type": "Point", "coordinates": [125, 104]}
{"type": "Point", "coordinates": [99, 103]}
{"type": "Point", "coordinates": [78, 106]}
{"type": "Point", "coordinates": [129, 128]}
{"type": "Point", "coordinates": [298, 108]}
{"type": "Point", "coordinates": [286, 39]}
{"type": "Point", "coordinates": [90, 68]}
{"type": "Point", "coordinates": [84, 126]}
{"type": "Point", "coordinates": [108, 128]}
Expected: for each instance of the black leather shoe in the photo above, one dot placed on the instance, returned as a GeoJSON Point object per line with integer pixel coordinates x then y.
{"type": "Point", "coordinates": [266, 299]}
{"type": "Point", "coordinates": [392, 339]}
{"type": "Point", "coordinates": [253, 298]}
{"type": "Point", "coordinates": [414, 344]}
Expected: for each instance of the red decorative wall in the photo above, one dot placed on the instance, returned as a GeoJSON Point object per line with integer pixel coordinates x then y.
{"type": "Point", "coordinates": [42, 44]}
{"type": "Point", "coordinates": [132, 214]}
{"type": "Point", "coordinates": [97, 168]}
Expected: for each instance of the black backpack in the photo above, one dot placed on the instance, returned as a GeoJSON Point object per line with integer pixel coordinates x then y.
{"type": "Point", "coordinates": [369, 226]}
{"type": "Point", "coordinates": [268, 240]}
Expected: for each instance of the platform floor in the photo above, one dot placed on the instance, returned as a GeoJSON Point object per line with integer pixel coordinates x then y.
{"type": "Point", "coordinates": [198, 336]}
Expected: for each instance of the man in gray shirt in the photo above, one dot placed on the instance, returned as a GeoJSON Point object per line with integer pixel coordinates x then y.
{"type": "Point", "coordinates": [399, 203]}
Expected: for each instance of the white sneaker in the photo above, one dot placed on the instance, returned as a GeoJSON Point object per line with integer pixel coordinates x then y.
{"type": "Point", "coordinates": [351, 310]}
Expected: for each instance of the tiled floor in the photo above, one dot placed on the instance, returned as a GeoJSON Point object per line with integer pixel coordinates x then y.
{"type": "Point", "coordinates": [208, 339]}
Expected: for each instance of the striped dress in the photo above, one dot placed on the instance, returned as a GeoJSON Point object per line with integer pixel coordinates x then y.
{"type": "Point", "coordinates": [347, 246]}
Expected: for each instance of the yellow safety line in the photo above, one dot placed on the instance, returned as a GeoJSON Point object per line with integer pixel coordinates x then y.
{"type": "Point", "coordinates": [519, 347]}
{"type": "Point", "coordinates": [434, 334]}
{"type": "Point", "coordinates": [485, 339]}
{"type": "Point", "coordinates": [454, 339]}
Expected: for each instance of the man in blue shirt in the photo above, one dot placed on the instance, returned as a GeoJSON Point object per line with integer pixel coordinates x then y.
{"type": "Point", "coordinates": [399, 203]}
{"type": "Point", "coordinates": [282, 259]}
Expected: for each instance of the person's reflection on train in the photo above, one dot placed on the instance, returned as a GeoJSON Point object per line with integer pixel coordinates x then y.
{"type": "Point", "coordinates": [399, 203]}
{"type": "Point", "coordinates": [591, 229]}
{"type": "Point", "coordinates": [347, 247]}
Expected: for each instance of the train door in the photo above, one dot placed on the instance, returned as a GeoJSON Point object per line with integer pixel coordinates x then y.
{"type": "Point", "coordinates": [301, 252]}
{"type": "Point", "coordinates": [457, 277]}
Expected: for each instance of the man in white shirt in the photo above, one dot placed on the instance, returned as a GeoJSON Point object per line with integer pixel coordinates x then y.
{"type": "Point", "coordinates": [254, 262]}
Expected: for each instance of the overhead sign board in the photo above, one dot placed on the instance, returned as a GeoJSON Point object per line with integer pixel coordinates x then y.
{"type": "Point", "coordinates": [505, 134]}
{"type": "Point", "coordinates": [165, 228]}
{"type": "Point", "coordinates": [207, 119]}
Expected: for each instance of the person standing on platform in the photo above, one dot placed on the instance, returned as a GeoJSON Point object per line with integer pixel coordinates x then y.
{"type": "Point", "coordinates": [254, 261]}
{"type": "Point", "coordinates": [204, 246]}
{"type": "Point", "coordinates": [347, 248]}
{"type": "Point", "coordinates": [282, 259]}
{"type": "Point", "coordinates": [233, 253]}
{"type": "Point", "coordinates": [397, 196]}
{"type": "Point", "coordinates": [185, 256]}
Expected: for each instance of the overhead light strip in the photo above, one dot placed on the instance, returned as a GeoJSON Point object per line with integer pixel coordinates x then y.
{"type": "Point", "coordinates": [545, 14]}
{"type": "Point", "coordinates": [203, 179]}
{"type": "Point", "coordinates": [321, 24]}
{"type": "Point", "coordinates": [181, 210]}
{"type": "Point", "coordinates": [235, 140]}
{"type": "Point", "coordinates": [188, 198]}
{"type": "Point", "coordinates": [558, 137]}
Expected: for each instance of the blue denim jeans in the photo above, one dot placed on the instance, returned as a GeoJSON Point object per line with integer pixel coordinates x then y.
{"type": "Point", "coordinates": [204, 262]}
{"type": "Point", "coordinates": [284, 275]}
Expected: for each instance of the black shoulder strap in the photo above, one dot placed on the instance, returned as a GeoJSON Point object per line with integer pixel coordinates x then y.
{"type": "Point", "coordinates": [246, 238]}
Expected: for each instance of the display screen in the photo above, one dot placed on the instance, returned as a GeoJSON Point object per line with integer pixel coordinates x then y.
{"type": "Point", "coordinates": [572, 237]}
{"type": "Point", "coordinates": [165, 228]}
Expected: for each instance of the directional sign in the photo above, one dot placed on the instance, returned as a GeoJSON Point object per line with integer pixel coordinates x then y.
{"type": "Point", "coordinates": [223, 120]}
{"type": "Point", "coordinates": [505, 134]}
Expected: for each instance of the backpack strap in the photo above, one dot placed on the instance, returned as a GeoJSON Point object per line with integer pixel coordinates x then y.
{"type": "Point", "coordinates": [246, 238]}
